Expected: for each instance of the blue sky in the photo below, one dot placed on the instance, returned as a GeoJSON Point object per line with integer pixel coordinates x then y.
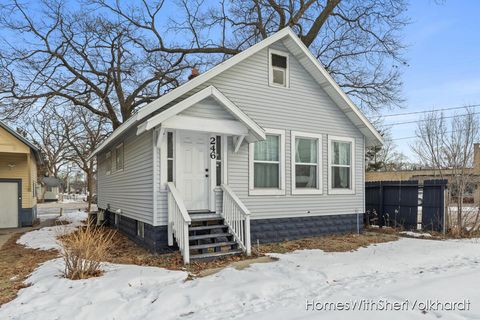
{"type": "Point", "coordinates": [444, 61]}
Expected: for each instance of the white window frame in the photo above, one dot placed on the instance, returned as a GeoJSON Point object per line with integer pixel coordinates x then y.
{"type": "Point", "coordinates": [312, 136]}
{"type": "Point", "coordinates": [120, 145]}
{"type": "Point", "coordinates": [108, 157]}
{"type": "Point", "coordinates": [352, 165]}
{"type": "Point", "coordinates": [251, 150]}
{"type": "Point", "coordinates": [140, 229]}
{"type": "Point", "coordinates": [270, 68]}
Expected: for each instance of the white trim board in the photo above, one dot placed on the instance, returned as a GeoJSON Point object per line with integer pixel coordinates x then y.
{"type": "Point", "coordinates": [318, 138]}
{"type": "Point", "coordinates": [213, 92]}
{"type": "Point", "coordinates": [352, 165]}
{"type": "Point", "coordinates": [281, 179]}
{"type": "Point", "coordinates": [320, 74]}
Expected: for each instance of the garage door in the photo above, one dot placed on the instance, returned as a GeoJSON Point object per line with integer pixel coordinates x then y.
{"type": "Point", "coordinates": [8, 205]}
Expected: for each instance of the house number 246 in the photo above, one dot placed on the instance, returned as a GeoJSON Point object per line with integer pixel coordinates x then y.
{"type": "Point", "coordinates": [213, 148]}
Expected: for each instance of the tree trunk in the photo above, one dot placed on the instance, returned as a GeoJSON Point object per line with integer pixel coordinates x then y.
{"type": "Point", "coordinates": [89, 173]}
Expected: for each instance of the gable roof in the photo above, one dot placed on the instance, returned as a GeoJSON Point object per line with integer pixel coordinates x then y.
{"type": "Point", "coordinates": [209, 91]}
{"type": "Point", "coordinates": [305, 57]}
{"type": "Point", "coordinates": [14, 133]}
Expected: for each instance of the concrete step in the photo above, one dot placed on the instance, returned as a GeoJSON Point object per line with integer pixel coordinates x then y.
{"type": "Point", "coordinates": [213, 255]}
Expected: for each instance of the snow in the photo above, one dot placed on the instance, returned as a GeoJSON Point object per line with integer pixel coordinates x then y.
{"type": "Point", "coordinates": [46, 238]}
{"type": "Point", "coordinates": [416, 234]}
{"type": "Point", "coordinates": [405, 269]}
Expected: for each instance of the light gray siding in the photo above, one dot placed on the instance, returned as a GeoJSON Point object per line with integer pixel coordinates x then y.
{"type": "Point", "coordinates": [208, 108]}
{"type": "Point", "coordinates": [304, 106]}
{"type": "Point", "coordinates": [130, 190]}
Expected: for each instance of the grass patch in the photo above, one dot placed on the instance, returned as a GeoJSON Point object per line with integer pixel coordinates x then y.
{"type": "Point", "coordinates": [16, 264]}
{"type": "Point", "coordinates": [333, 243]}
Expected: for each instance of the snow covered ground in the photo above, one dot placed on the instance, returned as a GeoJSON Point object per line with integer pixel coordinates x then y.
{"type": "Point", "coordinates": [46, 238]}
{"type": "Point", "coordinates": [405, 270]}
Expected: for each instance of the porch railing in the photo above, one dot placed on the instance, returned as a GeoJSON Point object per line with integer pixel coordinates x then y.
{"type": "Point", "coordinates": [178, 222]}
{"type": "Point", "coordinates": [237, 217]}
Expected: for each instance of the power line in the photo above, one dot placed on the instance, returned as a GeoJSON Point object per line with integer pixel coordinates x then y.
{"type": "Point", "coordinates": [427, 111]}
{"type": "Point", "coordinates": [421, 120]}
{"type": "Point", "coordinates": [413, 137]}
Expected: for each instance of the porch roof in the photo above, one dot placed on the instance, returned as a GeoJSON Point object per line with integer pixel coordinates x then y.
{"type": "Point", "coordinates": [169, 118]}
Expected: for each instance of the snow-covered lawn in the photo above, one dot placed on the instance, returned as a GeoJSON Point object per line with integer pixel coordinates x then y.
{"type": "Point", "coordinates": [46, 238]}
{"type": "Point", "coordinates": [407, 269]}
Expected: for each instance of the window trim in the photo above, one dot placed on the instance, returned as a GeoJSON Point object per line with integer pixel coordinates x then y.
{"type": "Point", "coordinates": [270, 68]}
{"type": "Point", "coordinates": [352, 165]}
{"type": "Point", "coordinates": [120, 145]}
{"type": "Point", "coordinates": [251, 150]}
{"type": "Point", "coordinates": [108, 157]}
{"type": "Point", "coordinates": [318, 138]}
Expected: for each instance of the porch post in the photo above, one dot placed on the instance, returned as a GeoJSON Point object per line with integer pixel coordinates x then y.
{"type": "Point", "coordinates": [169, 221]}
{"type": "Point", "coordinates": [248, 244]}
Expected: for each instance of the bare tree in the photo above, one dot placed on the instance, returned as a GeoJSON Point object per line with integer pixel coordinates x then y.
{"type": "Point", "coordinates": [84, 131]}
{"type": "Point", "coordinates": [449, 148]}
{"type": "Point", "coordinates": [46, 132]}
{"type": "Point", "coordinates": [113, 57]}
{"type": "Point", "coordinates": [385, 157]}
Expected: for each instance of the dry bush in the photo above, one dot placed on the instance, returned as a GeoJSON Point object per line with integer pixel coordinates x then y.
{"type": "Point", "coordinates": [83, 251]}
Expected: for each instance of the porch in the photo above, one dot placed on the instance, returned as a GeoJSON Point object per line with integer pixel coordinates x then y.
{"type": "Point", "coordinates": [205, 217]}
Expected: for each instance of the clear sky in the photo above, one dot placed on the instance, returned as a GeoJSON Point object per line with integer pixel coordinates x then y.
{"type": "Point", "coordinates": [444, 61]}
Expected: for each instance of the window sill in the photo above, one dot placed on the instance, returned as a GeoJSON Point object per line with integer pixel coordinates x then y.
{"type": "Point", "coordinates": [341, 191]}
{"type": "Point", "coordinates": [266, 192]}
{"type": "Point", "coordinates": [296, 191]}
{"type": "Point", "coordinates": [274, 85]}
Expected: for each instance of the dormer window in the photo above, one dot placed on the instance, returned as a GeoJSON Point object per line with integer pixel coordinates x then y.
{"type": "Point", "coordinates": [279, 76]}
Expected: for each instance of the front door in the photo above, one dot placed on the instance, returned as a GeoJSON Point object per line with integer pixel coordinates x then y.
{"type": "Point", "coordinates": [192, 169]}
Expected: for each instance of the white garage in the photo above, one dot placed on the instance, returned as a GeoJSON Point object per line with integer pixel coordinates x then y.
{"type": "Point", "coordinates": [9, 199]}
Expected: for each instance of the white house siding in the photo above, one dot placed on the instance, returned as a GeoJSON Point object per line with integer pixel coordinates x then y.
{"type": "Point", "coordinates": [130, 190]}
{"type": "Point", "coordinates": [208, 108]}
{"type": "Point", "coordinates": [304, 106]}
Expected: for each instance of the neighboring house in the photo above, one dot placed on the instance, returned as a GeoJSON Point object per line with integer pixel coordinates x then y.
{"type": "Point", "coordinates": [49, 189]}
{"type": "Point", "coordinates": [263, 147]}
{"type": "Point", "coordinates": [18, 179]}
{"type": "Point", "coordinates": [473, 188]}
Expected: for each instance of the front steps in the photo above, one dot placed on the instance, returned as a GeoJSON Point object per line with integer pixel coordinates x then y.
{"type": "Point", "coordinates": [209, 237]}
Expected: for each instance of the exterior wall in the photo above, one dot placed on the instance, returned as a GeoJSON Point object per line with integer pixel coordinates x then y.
{"type": "Point", "coordinates": [14, 151]}
{"type": "Point", "coordinates": [20, 171]}
{"type": "Point", "coordinates": [156, 238]}
{"type": "Point", "coordinates": [282, 229]}
{"type": "Point", "coordinates": [304, 106]}
{"type": "Point", "coordinates": [130, 189]}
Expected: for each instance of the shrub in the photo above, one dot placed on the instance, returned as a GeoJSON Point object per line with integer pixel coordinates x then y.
{"type": "Point", "coordinates": [83, 250]}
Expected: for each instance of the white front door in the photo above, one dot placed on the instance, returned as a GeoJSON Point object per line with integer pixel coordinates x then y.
{"type": "Point", "coordinates": [192, 169]}
{"type": "Point", "coordinates": [9, 205]}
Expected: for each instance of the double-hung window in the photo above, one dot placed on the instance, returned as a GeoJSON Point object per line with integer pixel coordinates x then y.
{"type": "Point", "coordinates": [278, 69]}
{"type": "Point", "coordinates": [341, 165]}
{"type": "Point", "coordinates": [306, 163]}
{"type": "Point", "coordinates": [267, 164]}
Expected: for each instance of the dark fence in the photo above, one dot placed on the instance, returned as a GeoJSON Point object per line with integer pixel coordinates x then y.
{"type": "Point", "coordinates": [399, 204]}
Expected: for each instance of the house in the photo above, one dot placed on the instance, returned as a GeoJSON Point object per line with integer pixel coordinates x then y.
{"type": "Point", "coordinates": [18, 179]}
{"type": "Point", "coordinates": [263, 147]}
{"type": "Point", "coordinates": [48, 189]}
{"type": "Point", "coordinates": [473, 187]}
